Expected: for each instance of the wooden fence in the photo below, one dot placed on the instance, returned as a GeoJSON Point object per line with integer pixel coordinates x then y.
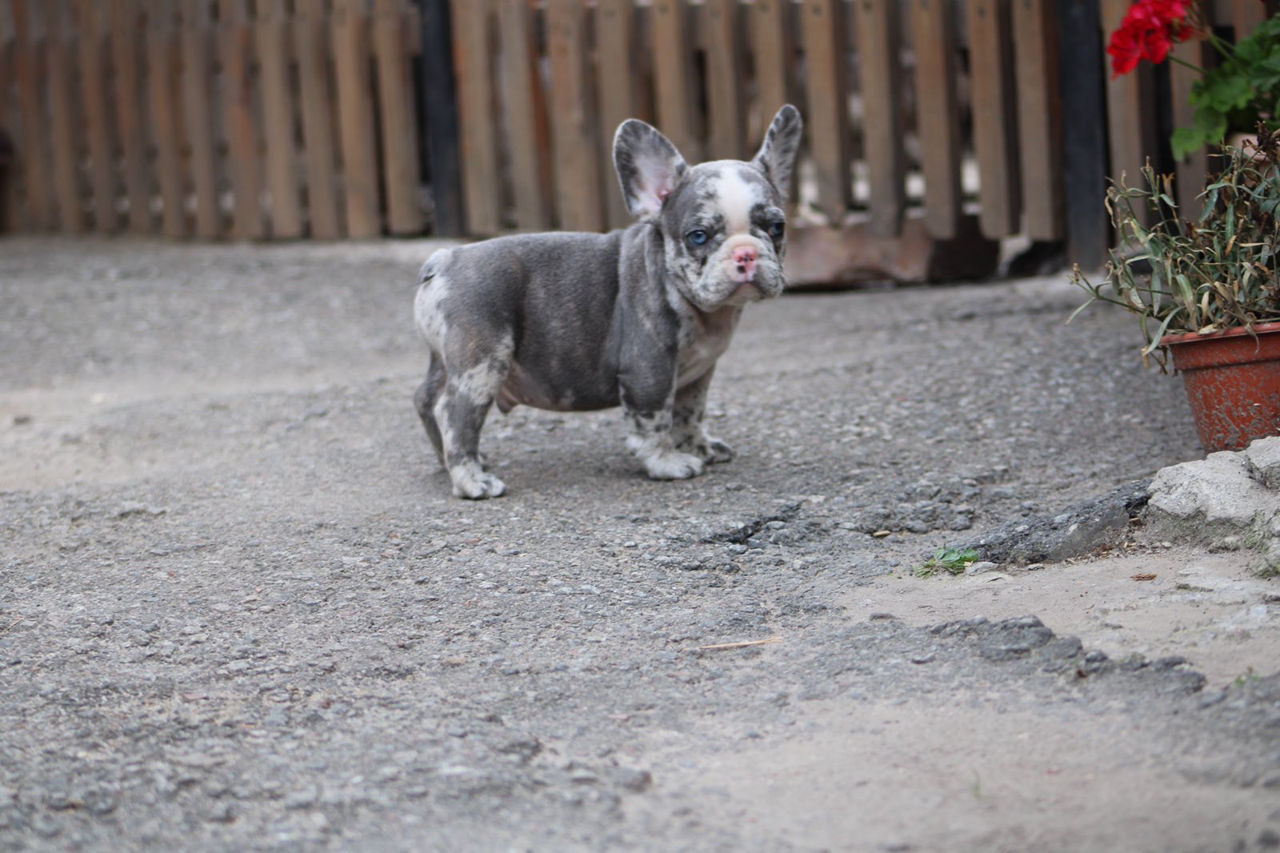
{"type": "Point", "coordinates": [893, 97]}
{"type": "Point", "coordinates": [930, 123]}
{"type": "Point", "coordinates": [196, 118]}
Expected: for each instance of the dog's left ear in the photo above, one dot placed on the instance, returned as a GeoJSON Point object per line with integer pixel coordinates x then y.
{"type": "Point", "coordinates": [777, 156]}
{"type": "Point", "coordinates": [649, 167]}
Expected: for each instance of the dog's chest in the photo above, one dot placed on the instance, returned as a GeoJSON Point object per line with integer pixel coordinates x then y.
{"type": "Point", "coordinates": [703, 339]}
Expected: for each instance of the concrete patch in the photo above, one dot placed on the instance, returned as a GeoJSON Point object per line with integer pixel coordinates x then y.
{"type": "Point", "coordinates": [1227, 500]}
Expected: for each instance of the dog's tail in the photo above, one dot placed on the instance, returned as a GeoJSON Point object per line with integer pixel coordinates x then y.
{"type": "Point", "coordinates": [434, 264]}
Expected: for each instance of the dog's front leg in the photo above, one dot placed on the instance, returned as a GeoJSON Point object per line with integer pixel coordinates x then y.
{"type": "Point", "coordinates": [649, 411]}
{"type": "Point", "coordinates": [686, 428]}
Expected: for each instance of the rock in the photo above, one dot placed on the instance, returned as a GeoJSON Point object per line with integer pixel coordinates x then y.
{"type": "Point", "coordinates": [634, 779]}
{"type": "Point", "coordinates": [1078, 530]}
{"type": "Point", "coordinates": [872, 519]}
{"type": "Point", "coordinates": [303, 798]}
{"type": "Point", "coordinates": [1263, 460]}
{"type": "Point", "coordinates": [221, 813]}
{"type": "Point", "coordinates": [1208, 499]}
{"type": "Point", "coordinates": [1271, 557]}
{"type": "Point", "coordinates": [1013, 638]}
{"type": "Point", "coordinates": [1230, 542]}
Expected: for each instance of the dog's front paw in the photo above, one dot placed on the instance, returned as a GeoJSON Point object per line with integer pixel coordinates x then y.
{"type": "Point", "coordinates": [710, 450]}
{"type": "Point", "coordinates": [672, 465]}
{"type": "Point", "coordinates": [474, 483]}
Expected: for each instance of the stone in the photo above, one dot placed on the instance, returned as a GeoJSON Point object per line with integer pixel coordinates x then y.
{"type": "Point", "coordinates": [304, 798]}
{"type": "Point", "coordinates": [1216, 494]}
{"type": "Point", "coordinates": [1263, 460]}
{"type": "Point", "coordinates": [1078, 530]}
{"type": "Point", "coordinates": [634, 779]}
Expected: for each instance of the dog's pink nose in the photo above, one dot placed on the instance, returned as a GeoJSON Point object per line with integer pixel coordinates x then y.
{"type": "Point", "coordinates": [745, 258]}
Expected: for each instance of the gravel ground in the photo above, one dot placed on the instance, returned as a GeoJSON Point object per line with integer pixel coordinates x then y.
{"type": "Point", "coordinates": [240, 609]}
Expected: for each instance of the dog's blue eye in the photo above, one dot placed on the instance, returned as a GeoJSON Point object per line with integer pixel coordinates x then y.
{"type": "Point", "coordinates": [697, 238]}
{"type": "Point", "coordinates": [777, 229]}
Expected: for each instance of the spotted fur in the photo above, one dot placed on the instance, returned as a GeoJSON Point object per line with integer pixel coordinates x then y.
{"type": "Point", "coordinates": [637, 317]}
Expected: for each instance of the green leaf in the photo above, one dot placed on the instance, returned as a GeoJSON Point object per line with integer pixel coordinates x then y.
{"type": "Point", "coordinates": [1185, 290]}
{"type": "Point", "coordinates": [1186, 141]}
{"type": "Point", "coordinates": [1225, 90]}
{"type": "Point", "coordinates": [1154, 342]}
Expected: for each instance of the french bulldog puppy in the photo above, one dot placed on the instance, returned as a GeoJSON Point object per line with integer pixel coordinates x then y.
{"type": "Point", "coordinates": [636, 317]}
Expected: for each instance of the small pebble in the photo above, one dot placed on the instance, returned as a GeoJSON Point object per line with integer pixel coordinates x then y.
{"type": "Point", "coordinates": [634, 779]}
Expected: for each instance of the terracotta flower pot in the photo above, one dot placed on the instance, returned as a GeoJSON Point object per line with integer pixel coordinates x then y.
{"type": "Point", "coordinates": [1233, 383]}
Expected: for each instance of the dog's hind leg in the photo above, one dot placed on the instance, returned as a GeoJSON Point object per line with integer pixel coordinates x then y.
{"type": "Point", "coordinates": [459, 412]}
{"type": "Point", "coordinates": [424, 400]}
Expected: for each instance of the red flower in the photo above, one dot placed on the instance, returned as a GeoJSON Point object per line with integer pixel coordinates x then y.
{"type": "Point", "coordinates": [1125, 49]}
{"type": "Point", "coordinates": [1148, 31]}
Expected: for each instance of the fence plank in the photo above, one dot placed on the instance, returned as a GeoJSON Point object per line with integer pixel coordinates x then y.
{"type": "Point", "coordinates": [575, 151]}
{"type": "Point", "coordinates": [673, 77]}
{"type": "Point", "coordinates": [994, 127]}
{"type": "Point", "coordinates": [525, 108]}
{"type": "Point", "coordinates": [1130, 109]}
{"type": "Point", "coordinates": [1245, 15]}
{"type": "Point", "coordinates": [726, 107]}
{"type": "Point", "coordinates": [33, 148]}
{"type": "Point", "coordinates": [1035, 43]}
{"type": "Point", "coordinates": [879, 39]}
{"type": "Point", "coordinates": [166, 120]}
{"type": "Point", "coordinates": [399, 126]}
{"type": "Point", "coordinates": [824, 42]}
{"type": "Point", "coordinates": [933, 29]}
{"type": "Point", "coordinates": [97, 133]}
{"type": "Point", "coordinates": [479, 155]}
{"type": "Point", "coordinates": [272, 46]}
{"type": "Point", "coordinates": [355, 117]}
{"type": "Point", "coordinates": [771, 46]}
{"type": "Point", "coordinates": [126, 41]}
{"type": "Point", "coordinates": [243, 151]}
{"type": "Point", "coordinates": [615, 50]}
{"type": "Point", "coordinates": [1084, 133]}
{"type": "Point", "coordinates": [9, 197]}
{"type": "Point", "coordinates": [197, 102]}
{"type": "Point", "coordinates": [438, 117]}
{"type": "Point", "coordinates": [1193, 170]}
{"type": "Point", "coordinates": [63, 119]}
{"type": "Point", "coordinates": [312, 47]}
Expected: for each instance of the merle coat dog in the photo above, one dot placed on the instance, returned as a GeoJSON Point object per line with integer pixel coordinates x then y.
{"type": "Point", "coordinates": [636, 317]}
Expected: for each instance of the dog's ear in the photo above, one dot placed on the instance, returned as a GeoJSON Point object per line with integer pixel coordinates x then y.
{"type": "Point", "coordinates": [649, 167]}
{"type": "Point", "coordinates": [777, 155]}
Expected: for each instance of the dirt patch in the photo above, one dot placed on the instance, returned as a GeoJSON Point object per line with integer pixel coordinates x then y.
{"type": "Point", "coordinates": [908, 777]}
{"type": "Point", "coordinates": [1155, 602]}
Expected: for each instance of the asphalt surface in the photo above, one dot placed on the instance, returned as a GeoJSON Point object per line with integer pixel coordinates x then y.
{"type": "Point", "coordinates": [239, 608]}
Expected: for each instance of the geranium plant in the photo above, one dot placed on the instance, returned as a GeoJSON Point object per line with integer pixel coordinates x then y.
{"type": "Point", "coordinates": [1220, 272]}
{"type": "Point", "coordinates": [1243, 88]}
